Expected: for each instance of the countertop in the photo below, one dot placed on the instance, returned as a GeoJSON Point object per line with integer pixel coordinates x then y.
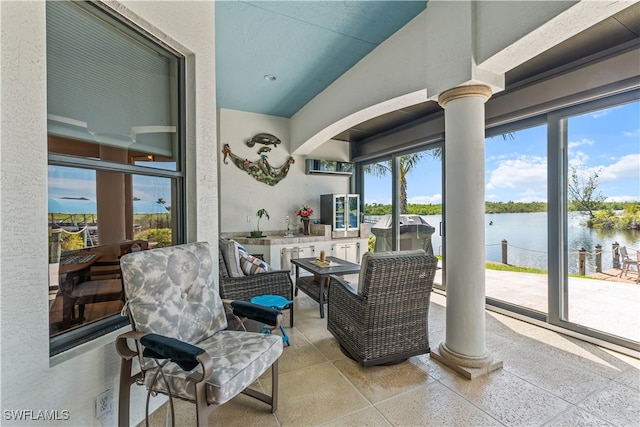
{"type": "Point", "coordinates": [319, 233]}
{"type": "Point", "coordinates": [270, 240]}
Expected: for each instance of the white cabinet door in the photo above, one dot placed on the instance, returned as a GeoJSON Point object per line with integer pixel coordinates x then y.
{"type": "Point", "coordinates": [294, 252]}
{"type": "Point", "coordinates": [347, 251]}
{"type": "Point", "coordinates": [306, 251]}
{"type": "Point", "coordinates": [352, 252]}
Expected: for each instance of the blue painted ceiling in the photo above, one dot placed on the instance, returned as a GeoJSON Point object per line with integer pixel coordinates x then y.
{"type": "Point", "coordinates": [306, 45]}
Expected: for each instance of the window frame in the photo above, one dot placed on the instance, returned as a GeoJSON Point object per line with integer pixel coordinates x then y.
{"type": "Point", "coordinates": [557, 122]}
{"type": "Point", "coordinates": [91, 331]}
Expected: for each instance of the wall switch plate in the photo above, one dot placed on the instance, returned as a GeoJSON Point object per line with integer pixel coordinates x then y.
{"type": "Point", "coordinates": [104, 403]}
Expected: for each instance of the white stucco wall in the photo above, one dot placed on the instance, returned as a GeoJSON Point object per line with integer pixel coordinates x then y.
{"type": "Point", "coordinates": [30, 380]}
{"type": "Point", "coordinates": [241, 195]}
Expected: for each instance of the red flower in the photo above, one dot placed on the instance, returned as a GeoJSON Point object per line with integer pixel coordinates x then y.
{"type": "Point", "coordinates": [304, 212]}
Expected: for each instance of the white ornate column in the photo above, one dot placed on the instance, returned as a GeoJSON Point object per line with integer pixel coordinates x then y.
{"type": "Point", "coordinates": [465, 348]}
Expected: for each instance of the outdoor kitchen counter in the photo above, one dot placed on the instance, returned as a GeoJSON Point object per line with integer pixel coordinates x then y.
{"type": "Point", "coordinates": [318, 233]}
{"type": "Point", "coordinates": [278, 250]}
{"type": "Point", "coordinates": [269, 240]}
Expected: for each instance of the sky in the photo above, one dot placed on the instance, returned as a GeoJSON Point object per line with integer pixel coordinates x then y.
{"type": "Point", "coordinates": [76, 182]}
{"type": "Point", "coordinates": [606, 142]}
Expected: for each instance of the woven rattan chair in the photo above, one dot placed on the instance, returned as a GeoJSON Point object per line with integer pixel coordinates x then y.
{"type": "Point", "coordinates": [386, 320]}
{"type": "Point", "coordinates": [245, 287]}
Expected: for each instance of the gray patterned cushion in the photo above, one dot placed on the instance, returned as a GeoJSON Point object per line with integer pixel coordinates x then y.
{"type": "Point", "coordinates": [238, 359]}
{"type": "Point", "coordinates": [171, 292]}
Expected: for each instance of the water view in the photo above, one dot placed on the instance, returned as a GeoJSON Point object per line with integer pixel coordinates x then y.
{"type": "Point", "coordinates": [527, 245]}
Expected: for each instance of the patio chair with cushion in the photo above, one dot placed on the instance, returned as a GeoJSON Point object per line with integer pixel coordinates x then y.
{"type": "Point", "coordinates": [179, 331]}
{"type": "Point", "coordinates": [627, 262]}
{"type": "Point", "coordinates": [384, 321]}
{"type": "Point", "coordinates": [236, 285]}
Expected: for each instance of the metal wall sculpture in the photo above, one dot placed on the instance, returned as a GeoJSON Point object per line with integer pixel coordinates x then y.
{"type": "Point", "coordinates": [261, 170]}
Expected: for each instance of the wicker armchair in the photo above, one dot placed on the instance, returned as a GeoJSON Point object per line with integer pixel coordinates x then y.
{"type": "Point", "coordinates": [246, 287]}
{"type": "Point", "coordinates": [386, 320]}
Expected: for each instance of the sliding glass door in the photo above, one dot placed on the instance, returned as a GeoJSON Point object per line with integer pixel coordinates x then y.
{"type": "Point", "coordinates": [516, 217]}
{"type": "Point", "coordinates": [403, 202]}
{"type": "Point", "coordinates": [603, 217]}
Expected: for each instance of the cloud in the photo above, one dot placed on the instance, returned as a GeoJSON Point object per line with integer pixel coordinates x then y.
{"type": "Point", "coordinates": [526, 174]}
{"type": "Point", "coordinates": [627, 167]}
{"type": "Point", "coordinates": [514, 173]}
{"type": "Point", "coordinates": [605, 112]}
{"type": "Point", "coordinates": [634, 133]}
{"type": "Point", "coordinates": [71, 187]}
{"type": "Point", "coordinates": [425, 200]}
{"type": "Point", "coordinates": [578, 159]}
{"type": "Point", "coordinates": [583, 141]}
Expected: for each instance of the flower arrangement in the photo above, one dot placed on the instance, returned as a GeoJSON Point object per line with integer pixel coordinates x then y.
{"type": "Point", "coordinates": [304, 212]}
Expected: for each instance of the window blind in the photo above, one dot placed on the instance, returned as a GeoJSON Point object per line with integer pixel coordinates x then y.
{"type": "Point", "coordinates": [108, 85]}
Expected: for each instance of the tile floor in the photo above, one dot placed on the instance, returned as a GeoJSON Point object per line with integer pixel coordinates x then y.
{"type": "Point", "coordinates": [548, 379]}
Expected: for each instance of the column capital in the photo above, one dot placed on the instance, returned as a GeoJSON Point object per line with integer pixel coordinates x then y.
{"type": "Point", "coordinates": [463, 91]}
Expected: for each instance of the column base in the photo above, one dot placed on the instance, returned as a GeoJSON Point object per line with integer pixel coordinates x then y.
{"type": "Point", "coordinates": [469, 367]}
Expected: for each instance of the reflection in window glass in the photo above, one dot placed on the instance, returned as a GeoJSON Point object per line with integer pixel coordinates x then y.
{"type": "Point", "coordinates": [604, 213]}
{"type": "Point", "coordinates": [516, 217]}
{"type": "Point", "coordinates": [90, 229]}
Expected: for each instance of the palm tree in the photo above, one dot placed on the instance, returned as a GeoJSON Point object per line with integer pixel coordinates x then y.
{"type": "Point", "coordinates": [407, 162]}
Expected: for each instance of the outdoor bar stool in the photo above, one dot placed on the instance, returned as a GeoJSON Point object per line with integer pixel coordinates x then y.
{"type": "Point", "coordinates": [277, 302]}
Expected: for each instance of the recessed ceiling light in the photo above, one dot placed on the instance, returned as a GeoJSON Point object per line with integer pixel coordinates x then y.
{"type": "Point", "coordinates": [269, 77]}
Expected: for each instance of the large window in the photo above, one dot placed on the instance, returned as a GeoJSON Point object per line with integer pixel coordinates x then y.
{"type": "Point", "coordinates": [115, 164]}
{"type": "Point", "coordinates": [418, 199]}
{"type": "Point", "coordinates": [516, 216]}
{"type": "Point", "coordinates": [603, 215]}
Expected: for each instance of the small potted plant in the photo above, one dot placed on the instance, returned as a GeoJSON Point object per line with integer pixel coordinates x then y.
{"type": "Point", "coordinates": [260, 213]}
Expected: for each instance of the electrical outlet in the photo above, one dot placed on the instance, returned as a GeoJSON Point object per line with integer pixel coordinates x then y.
{"type": "Point", "coordinates": [104, 403]}
{"type": "Point", "coordinates": [248, 218]}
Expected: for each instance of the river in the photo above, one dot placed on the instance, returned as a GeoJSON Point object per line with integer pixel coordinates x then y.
{"type": "Point", "coordinates": [526, 236]}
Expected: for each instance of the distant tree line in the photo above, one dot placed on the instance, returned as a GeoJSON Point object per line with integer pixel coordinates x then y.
{"type": "Point", "coordinates": [502, 207]}
{"type": "Point", "coordinates": [515, 207]}
{"type": "Point", "coordinates": [416, 209]}
{"type": "Point", "coordinates": [582, 189]}
{"type": "Point", "coordinates": [436, 209]}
